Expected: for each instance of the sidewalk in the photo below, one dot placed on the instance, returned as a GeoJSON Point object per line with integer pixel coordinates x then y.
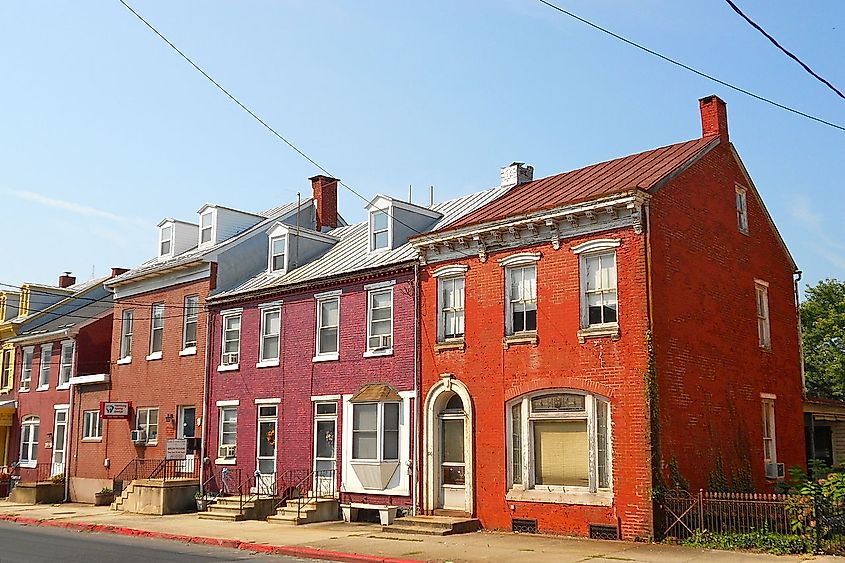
{"type": "Point", "coordinates": [366, 542]}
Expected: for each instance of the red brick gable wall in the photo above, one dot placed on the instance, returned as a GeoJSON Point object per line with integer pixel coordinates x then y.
{"type": "Point", "coordinates": [710, 368]}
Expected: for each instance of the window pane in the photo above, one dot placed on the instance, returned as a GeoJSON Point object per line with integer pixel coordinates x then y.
{"type": "Point", "coordinates": [325, 438]}
{"type": "Point", "coordinates": [271, 322]}
{"type": "Point", "coordinates": [365, 417]}
{"type": "Point", "coordinates": [558, 402]}
{"type": "Point", "coordinates": [205, 235]}
{"type": "Point", "coordinates": [156, 344]}
{"type": "Point", "coordinates": [453, 440]}
{"type": "Point", "coordinates": [266, 440]}
{"type": "Point", "coordinates": [561, 453]}
{"type": "Point", "coordinates": [592, 275]}
{"type": "Point", "coordinates": [329, 312]}
{"type": "Point", "coordinates": [531, 317]}
{"type": "Point", "coordinates": [326, 408]}
{"type": "Point", "coordinates": [364, 445]}
{"type": "Point", "coordinates": [328, 340]}
{"type": "Point", "coordinates": [379, 220]}
{"type": "Point", "coordinates": [609, 307]}
{"type": "Point", "coordinates": [594, 305]}
{"type": "Point", "coordinates": [190, 333]}
{"type": "Point", "coordinates": [390, 448]}
{"type": "Point", "coordinates": [279, 245]}
{"type": "Point", "coordinates": [380, 240]}
{"type": "Point", "coordinates": [391, 417]}
{"type": "Point", "coordinates": [516, 442]}
{"type": "Point", "coordinates": [603, 453]}
{"type": "Point", "coordinates": [271, 348]}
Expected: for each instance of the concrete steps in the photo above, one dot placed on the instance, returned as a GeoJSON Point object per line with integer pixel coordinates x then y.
{"type": "Point", "coordinates": [229, 509]}
{"type": "Point", "coordinates": [321, 510]}
{"type": "Point", "coordinates": [124, 497]}
{"type": "Point", "coordinates": [433, 525]}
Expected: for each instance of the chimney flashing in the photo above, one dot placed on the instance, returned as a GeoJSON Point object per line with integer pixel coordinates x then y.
{"type": "Point", "coordinates": [714, 117]}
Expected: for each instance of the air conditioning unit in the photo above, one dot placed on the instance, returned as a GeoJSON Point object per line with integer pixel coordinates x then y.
{"type": "Point", "coordinates": [139, 436]}
{"type": "Point", "coordinates": [230, 358]}
{"type": "Point", "coordinates": [384, 341]}
{"type": "Point", "coordinates": [775, 471]}
{"type": "Point", "coordinates": [226, 451]}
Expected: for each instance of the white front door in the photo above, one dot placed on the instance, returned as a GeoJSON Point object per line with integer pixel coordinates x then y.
{"type": "Point", "coordinates": [451, 472]}
{"type": "Point", "coordinates": [59, 442]}
{"type": "Point", "coordinates": [325, 448]}
{"type": "Point", "coordinates": [266, 458]}
{"type": "Point", "coordinates": [187, 429]}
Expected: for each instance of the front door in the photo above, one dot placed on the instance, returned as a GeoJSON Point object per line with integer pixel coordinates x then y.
{"type": "Point", "coordinates": [452, 462]}
{"type": "Point", "coordinates": [325, 457]}
{"type": "Point", "coordinates": [266, 459]}
{"type": "Point", "coordinates": [59, 442]}
{"type": "Point", "coordinates": [187, 430]}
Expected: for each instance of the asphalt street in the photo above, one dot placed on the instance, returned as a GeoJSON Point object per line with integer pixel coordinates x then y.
{"type": "Point", "coordinates": [19, 544]}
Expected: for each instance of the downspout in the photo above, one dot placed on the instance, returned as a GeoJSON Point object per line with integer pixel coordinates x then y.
{"type": "Point", "coordinates": [417, 433]}
{"type": "Point", "coordinates": [795, 283]}
{"type": "Point", "coordinates": [651, 396]}
{"type": "Point", "coordinates": [69, 427]}
{"type": "Point", "coordinates": [205, 394]}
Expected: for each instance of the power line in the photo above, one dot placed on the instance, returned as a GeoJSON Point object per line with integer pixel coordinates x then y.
{"type": "Point", "coordinates": [689, 68]}
{"type": "Point", "coordinates": [784, 49]}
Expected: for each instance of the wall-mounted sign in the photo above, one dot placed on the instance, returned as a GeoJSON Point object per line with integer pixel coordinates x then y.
{"type": "Point", "coordinates": [176, 449]}
{"type": "Point", "coordinates": [6, 418]}
{"type": "Point", "coordinates": [115, 409]}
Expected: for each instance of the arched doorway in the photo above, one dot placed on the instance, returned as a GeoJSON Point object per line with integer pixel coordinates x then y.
{"type": "Point", "coordinates": [448, 447]}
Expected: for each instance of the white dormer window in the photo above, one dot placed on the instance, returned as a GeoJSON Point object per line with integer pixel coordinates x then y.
{"type": "Point", "coordinates": [166, 240]}
{"type": "Point", "coordinates": [206, 224]}
{"type": "Point", "coordinates": [278, 248]}
{"type": "Point", "coordinates": [379, 229]}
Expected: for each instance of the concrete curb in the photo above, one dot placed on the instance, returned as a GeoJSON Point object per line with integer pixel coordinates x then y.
{"type": "Point", "coordinates": [294, 551]}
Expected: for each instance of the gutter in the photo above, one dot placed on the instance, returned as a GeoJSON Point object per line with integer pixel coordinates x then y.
{"type": "Point", "coordinates": [417, 385]}
{"type": "Point", "coordinates": [795, 282]}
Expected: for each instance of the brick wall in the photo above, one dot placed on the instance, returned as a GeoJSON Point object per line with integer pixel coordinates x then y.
{"type": "Point", "coordinates": [710, 368]}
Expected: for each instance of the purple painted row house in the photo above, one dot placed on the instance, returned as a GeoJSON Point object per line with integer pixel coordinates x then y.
{"type": "Point", "coordinates": [313, 362]}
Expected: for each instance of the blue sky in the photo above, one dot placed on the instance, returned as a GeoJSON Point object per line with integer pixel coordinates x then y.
{"type": "Point", "coordinates": [105, 130]}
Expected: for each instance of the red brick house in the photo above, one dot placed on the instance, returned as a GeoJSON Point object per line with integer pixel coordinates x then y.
{"type": "Point", "coordinates": [594, 337]}
{"type": "Point", "coordinates": [313, 361]}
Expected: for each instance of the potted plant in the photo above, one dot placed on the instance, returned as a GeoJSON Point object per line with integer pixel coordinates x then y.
{"type": "Point", "coordinates": [104, 498]}
{"type": "Point", "coordinates": [198, 496]}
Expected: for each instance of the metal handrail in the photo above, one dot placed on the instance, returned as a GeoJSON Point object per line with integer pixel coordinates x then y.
{"type": "Point", "coordinates": [287, 485]}
{"type": "Point", "coordinates": [222, 481]}
{"type": "Point", "coordinates": [319, 484]}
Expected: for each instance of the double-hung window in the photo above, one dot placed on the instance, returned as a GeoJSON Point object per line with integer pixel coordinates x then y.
{"type": "Point", "coordinates": [328, 325]}
{"type": "Point", "coordinates": [380, 320]}
{"type": "Point", "coordinates": [379, 230]}
{"type": "Point", "coordinates": [231, 349]}
{"type": "Point", "coordinates": [26, 368]}
{"type": "Point", "coordinates": [599, 271]}
{"type": "Point", "coordinates": [769, 446]}
{"type": "Point", "coordinates": [92, 425]}
{"type": "Point", "coordinates": [278, 247]}
{"type": "Point", "coordinates": [66, 364]}
{"type": "Point", "coordinates": [7, 369]}
{"type": "Point", "coordinates": [270, 330]}
{"type": "Point", "coordinates": [127, 320]}
{"type": "Point", "coordinates": [166, 241]}
{"type": "Point", "coordinates": [741, 210]}
{"type": "Point", "coordinates": [156, 330]}
{"type": "Point", "coordinates": [189, 329]}
{"type": "Point", "coordinates": [450, 325]}
{"type": "Point", "coordinates": [764, 334]}
{"type": "Point", "coordinates": [522, 299]}
{"type": "Point", "coordinates": [566, 436]}
{"type": "Point", "coordinates": [228, 432]}
{"type": "Point", "coordinates": [375, 432]}
{"type": "Point", "coordinates": [146, 420]}
{"type": "Point", "coordinates": [206, 227]}
{"type": "Point", "coordinates": [29, 441]}
{"type": "Point", "coordinates": [44, 368]}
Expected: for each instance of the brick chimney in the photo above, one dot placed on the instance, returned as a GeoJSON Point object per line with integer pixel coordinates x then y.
{"type": "Point", "coordinates": [714, 117]}
{"type": "Point", "coordinates": [66, 280]}
{"type": "Point", "coordinates": [515, 174]}
{"type": "Point", "coordinates": [325, 194]}
{"type": "Point", "coordinates": [118, 271]}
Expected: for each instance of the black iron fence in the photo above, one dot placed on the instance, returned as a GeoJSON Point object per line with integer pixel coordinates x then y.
{"type": "Point", "coordinates": [155, 469]}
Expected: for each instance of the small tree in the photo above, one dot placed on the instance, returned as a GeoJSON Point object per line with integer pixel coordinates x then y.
{"type": "Point", "coordinates": [823, 327]}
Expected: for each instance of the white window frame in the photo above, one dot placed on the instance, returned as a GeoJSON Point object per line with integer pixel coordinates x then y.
{"type": "Point", "coordinates": [92, 426]}
{"type": "Point", "coordinates": [510, 264]}
{"type": "Point", "coordinates": [226, 363]}
{"type": "Point", "coordinates": [742, 209]}
{"type": "Point", "coordinates": [272, 360]}
{"type": "Point", "coordinates": [590, 249]}
{"type": "Point", "coordinates": [272, 255]}
{"type": "Point", "coordinates": [162, 240]}
{"type": "Point", "coordinates": [527, 489]}
{"type": "Point", "coordinates": [44, 367]}
{"type": "Point", "coordinates": [378, 351]}
{"type": "Point", "coordinates": [26, 367]}
{"type": "Point", "coordinates": [373, 232]}
{"type": "Point", "coordinates": [7, 368]}
{"type": "Point", "coordinates": [321, 355]}
{"type": "Point", "coordinates": [190, 315]}
{"type": "Point", "coordinates": [156, 354]}
{"type": "Point", "coordinates": [458, 312]}
{"type": "Point", "coordinates": [150, 418]}
{"type": "Point", "coordinates": [127, 324]}
{"type": "Point", "coordinates": [221, 433]}
{"type": "Point", "coordinates": [66, 364]}
{"type": "Point", "coordinates": [769, 431]}
{"type": "Point", "coordinates": [30, 430]}
{"type": "Point", "coordinates": [380, 432]}
{"type": "Point", "coordinates": [764, 329]}
{"type": "Point", "coordinates": [207, 228]}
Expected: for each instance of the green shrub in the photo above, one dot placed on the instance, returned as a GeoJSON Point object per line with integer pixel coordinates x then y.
{"type": "Point", "coordinates": [755, 540]}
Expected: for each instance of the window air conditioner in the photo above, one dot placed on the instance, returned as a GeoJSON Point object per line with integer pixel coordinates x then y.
{"type": "Point", "coordinates": [775, 471]}
{"type": "Point", "coordinates": [230, 358]}
{"type": "Point", "coordinates": [139, 436]}
{"type": "Point", "coordinates": [226, 451]}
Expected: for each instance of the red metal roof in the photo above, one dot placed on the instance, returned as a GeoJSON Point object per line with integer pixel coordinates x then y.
{"type": "Point", "coordinates": [642, 170]}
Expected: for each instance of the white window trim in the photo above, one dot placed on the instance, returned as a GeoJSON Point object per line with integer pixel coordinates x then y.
{"type": "Point", "coordinates": [520, 259]}
{"type": "Point", "coordinates": [224, 316]}
{"type": "Point", "coordinates": [284, 268]}
{"type": "Point", "coordinates": [454, 270]}
{"type": "Point", "coordinates": [379, 432]}
{"type": "Point", "coordinates": [326, 356]}
{"type": "Point", "coordinates": [189, 350]}
{"type": "Point", "coordinates": [372, 352]}
{"type": "Point", "coordinates": [268, 401]}
{"type": "Point", "coordinates": [452, 274]}
{"type": "Point", "coordinates": [212, 227]}
{"type": "Point", "coordinates": [771, 402]}
{"type": "Point", "coordinates": [156, 355]}
{"type": "Point", "coordinates": [31, 351]}
{"type": "Point", "coordinates": [509, 332]}
{"type": "Point", "coordinates": [760, 285]}
{"type": "Point", "coordinates": [46, 385]}
{"type": "Point", "coordinates": [596, 245]}
{"type": "Point", "coordinates": [262, 361]}
{"type": "Point", "coordinates": [371, 233]}
{"type": "Point", "coordinates": [526, 491]}
{"type": "Point", "coordinates": [161, 239]}
{"type": "Point", "coordinates": [599, 247]}
{"type": "Point", "coordinates": [29, 421]}
{"type": "Point", "coordinates": [138, 411]}
{"type": "Point", "coordinates": [221, 407]}
{"type": "Point", "coordinates": [72, 345]}
{"type": "Point", "coordinates": [98, 425]}
{"type": "Point", "coordinates": [742, 211]}
{"type": "Point", "coordinates": [123, 354]}
{"type": "Point", "coordinates": [379, 285]}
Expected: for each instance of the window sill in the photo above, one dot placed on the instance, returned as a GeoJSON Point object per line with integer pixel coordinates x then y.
{"type": "Point", "coordinates": [63, 387]}
{"type": "Point", "coordinates": [28, 464]}
{"type": "Point", "coordinates": [599, 331]}
{"type": "Point", "coordinates": [766, 349]}
{"type": "Point", "coordinates": [92, 440]}
{"type": "Point", "coordinates": [154, 356]}
{"type": "Point", "coordinates": [43, 388]}
{"type": "Point", "coordinates": [446, 345]}
{"type": "Point", "coordinates": [124, 361]}
{"type": "Point", "coordinates": [23, 390]}
{"type": "Point", "coordinates": [528, 338]}
{"type": "Point", "coordinates": [555, 497]}
{"type": "Point", "coordinates": [225, 461]}
{"type": "Point", "coordinates": [377, 353]}
{"type": "Point", "coordinates": [192, 351]}
{"type": "Point", "coordinates": [230, 367]}
{"type": "Point", "coordinates": [268, 363]}
{"type": "Point", "coordinates": [326, 357]}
